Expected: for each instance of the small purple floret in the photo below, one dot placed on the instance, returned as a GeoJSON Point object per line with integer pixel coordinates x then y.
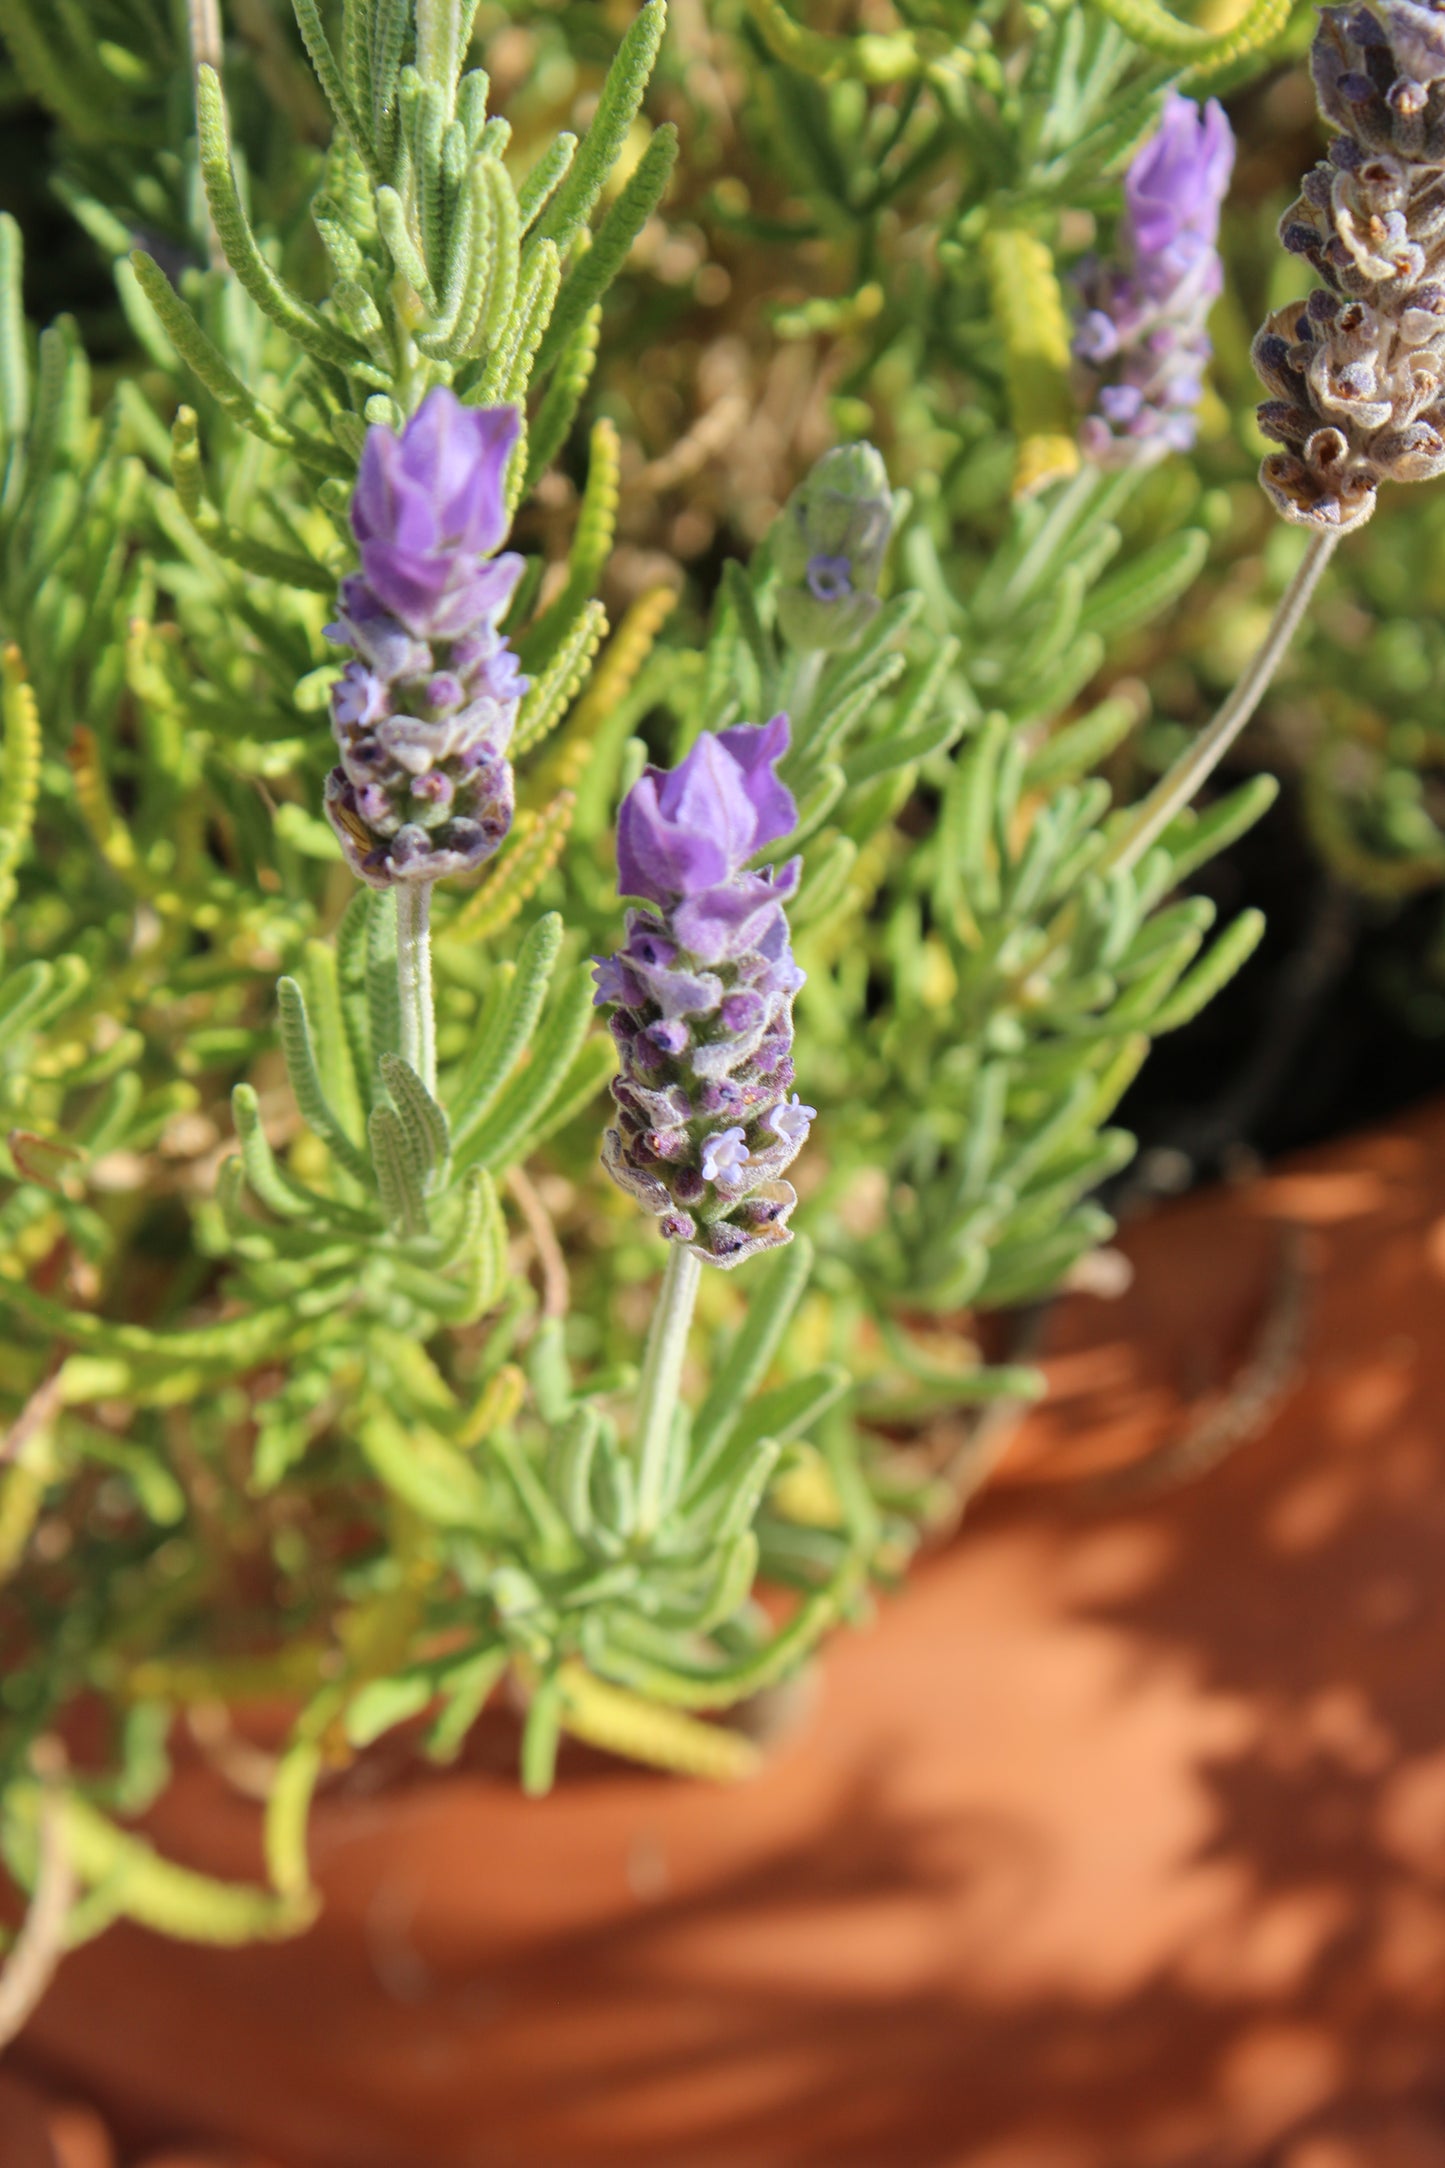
{"type": "Point", "coordinates": [829, 578]}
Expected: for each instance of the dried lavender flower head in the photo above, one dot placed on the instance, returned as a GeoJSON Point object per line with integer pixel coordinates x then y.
{"type": "Point", "coordinates": [829, 548]}
{"type": "Point", "coordinates": [702, 994]}
{"type": "Point", "coordinates": [424, 711]}
{"type": "Point", "coordinates": [1140, 340]}
{"type": "Point", "coordinates": [1355, 372]}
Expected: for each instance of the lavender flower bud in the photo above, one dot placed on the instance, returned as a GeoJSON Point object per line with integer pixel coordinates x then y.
{"type": "Point", "coordinates": [1355, 372]}
{"type": "Point", "coordinates": [702, 993]}
{"type": "Point", "coordinates": [1140, 339]}
{"type": "Point", "coordinates": [830, 545]}
{"type": "Point", "coordinates": [424, 712]}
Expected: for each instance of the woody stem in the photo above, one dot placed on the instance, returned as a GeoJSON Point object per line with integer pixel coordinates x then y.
{"type": "Point", "coordinates": [1202, 756]}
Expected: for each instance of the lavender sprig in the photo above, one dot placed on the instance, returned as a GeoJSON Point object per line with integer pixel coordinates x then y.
{"type": "Point", "coordinates": [703, 992]}
{"type": "Point", "coordinates": [1141, 341]}
{"type": "Point", "coordinates": [1356, 371]}
{"type": "Point", "coordinates": [424, 712]}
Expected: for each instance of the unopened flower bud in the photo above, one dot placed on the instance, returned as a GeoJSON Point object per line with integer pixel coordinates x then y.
{"type": "Point", "coordinates": [829, 548]}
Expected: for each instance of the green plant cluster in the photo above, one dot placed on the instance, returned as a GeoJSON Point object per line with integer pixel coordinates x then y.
{"type": "Point", "coordinates": [322, 1374]}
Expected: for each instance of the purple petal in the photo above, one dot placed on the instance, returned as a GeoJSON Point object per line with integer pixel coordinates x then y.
{"type": "Point", "coordinates": [658, 858]}
{"type": "Point", "coordinates": [708, 796]}
{"type": "Point", "coordinates": [757, 747]}
{"type": "Point", "coordinates": [720, 923]}
{"type": "Point", "coordinates": [1178, 180]}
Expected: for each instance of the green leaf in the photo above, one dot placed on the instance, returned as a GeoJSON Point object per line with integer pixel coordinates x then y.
{"type": "Point", "coordinates": [424, 1121]}
{"type": "Point", "coordinates": [381, 1704]}
{"type": "Point", "coordinates": [1080, 746]}
{"type": "Point", "coordinates": [775, 1294]}
{"type": "Point", "coordinates": [1192, 839]}
{"type": "Point", "coordinates": [556, 683]}
{"type": "Point", "coordinates": [542, 1731]}
{"type": "Point", "coordinates": [158, 1894]}
{"type": "Point", "coordinates": [329, 75]}
{"type": "Point", "coordinates": [544, 179]}
{"type": "Point", "coordinates": [311, 1100]}
{"type": "Point", "coordinates": [468, 1686]}
{"type": "Point", "coordinates": [1141, 589]}
{"type": "Point", "coordinates": [426, 1473]}
{"type": "Point", "coordinates": [14, 363]}
{"type": "Point", "coordinates": [398, 1178]}
{"type": "Point", "coordinates": [563, 397]}
{"type": "Point", "coordinates": [505, 1135]}
{"type": "Point", "coordinates": [602, 145]}
{"type": "Point", "coordinates": [1228, 954]}
{"type": "Point", "coordinates": [635, 204]}
{"type": "Point", "coordinates": [500, 1045]}
{"type": "Point", "coordinates": [267, 290]}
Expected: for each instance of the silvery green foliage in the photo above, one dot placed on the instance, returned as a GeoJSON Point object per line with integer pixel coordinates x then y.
{"type": "Point", "coordinates": [451, 1453]}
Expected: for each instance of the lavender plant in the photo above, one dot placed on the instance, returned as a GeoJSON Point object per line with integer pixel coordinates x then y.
{"type": "Point", "coordinates": [434, 1455]}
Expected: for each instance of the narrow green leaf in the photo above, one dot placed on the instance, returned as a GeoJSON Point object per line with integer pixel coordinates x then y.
{"type": "Point", "coordinates": [563, 397]}
{"type": "Point", "coordinates": [424, 1121]}
{"type": "Point", "coordinates": [267, 290]}
{"type": "Point", "coordinates": [329, 75]}
{"type": "Point", "coordinates": [544, 178]}
{"type": "Point", "coordinates": [14, 364]}
{"type": "Point", "coordinates": [626, 217]}
{"type": "Point", "coordinates": [602, 145]}
{"type": "Point", "coordinates": [523, 1105]}
{"type": "Point", "coordinates": [497, 1050]}
{"type": "Point", "coordinates": [542, 1732]}
{"type": "Point", "coordinates": [775, 1294]}
{"type": "Point", "coordinates": [301, 1067]}
{"type": "Point", "coordinates": [1228, 954]}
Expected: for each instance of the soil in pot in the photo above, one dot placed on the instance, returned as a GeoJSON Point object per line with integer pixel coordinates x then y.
{"type": "Point", "coordinates": [1116, 1841]}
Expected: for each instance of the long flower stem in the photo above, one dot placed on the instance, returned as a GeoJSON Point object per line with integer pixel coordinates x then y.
{"type": "Point", "coordinates": [413, 978]}
{"type": "Point", "coordinates": [1174, 789]}
{"type": "Point", "coordinates": [661, 1374]}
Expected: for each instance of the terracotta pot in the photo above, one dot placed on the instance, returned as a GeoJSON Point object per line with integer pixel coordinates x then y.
{"type": "Point", "coordinates": [1117, 1840]}
{"type": "Point", "coordinates": [24, 2129]}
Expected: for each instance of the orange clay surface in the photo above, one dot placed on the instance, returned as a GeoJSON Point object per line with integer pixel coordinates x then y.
{"type": "Point", "coordinates": [1116, 1841]}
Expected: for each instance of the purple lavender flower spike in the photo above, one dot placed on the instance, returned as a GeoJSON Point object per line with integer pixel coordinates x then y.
{"type": "Point", "coordinates": [424, 714]}
{"type": "Point", "coordinates": [1140, 339]}
{"type": "Point", "coordinates": [702, 997]}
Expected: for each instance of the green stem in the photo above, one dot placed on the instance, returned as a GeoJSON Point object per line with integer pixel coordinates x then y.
{"type": "Point", "coordinates": [1202, 756]}
{"type": "Point", "coordinates": [413, 978]}
{"type": "Point", "coordinates": [661, 1374]}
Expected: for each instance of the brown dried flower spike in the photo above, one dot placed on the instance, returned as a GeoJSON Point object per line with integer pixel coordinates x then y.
{"type": "Point", "coordinates": [1357, 371]}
